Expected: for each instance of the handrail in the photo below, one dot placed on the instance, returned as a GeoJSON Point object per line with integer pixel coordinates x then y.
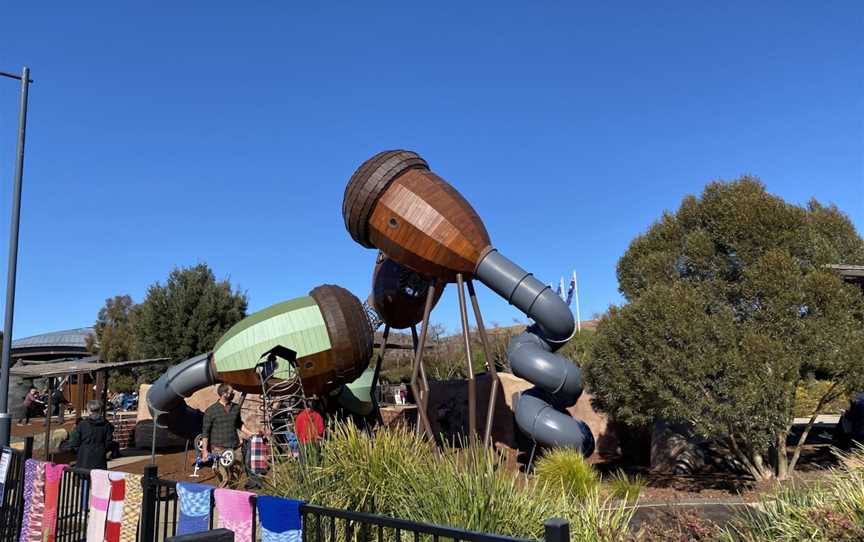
{"type": "Point", "coordinates": [423, 528]}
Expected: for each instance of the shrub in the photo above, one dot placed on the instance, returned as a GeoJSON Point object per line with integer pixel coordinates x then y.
{"type": "Point", "coordinates": [623, 487]}
{"type": "Point", "coordinates": [395, 473]}
{"type": "Point", "coordinates": [833, 511]}
{"type": "Point", "coordinates": [567, 470]}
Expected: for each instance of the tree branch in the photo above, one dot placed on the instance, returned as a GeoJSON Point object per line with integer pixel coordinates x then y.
{"type": "Point", "coordinates": [797, 453]}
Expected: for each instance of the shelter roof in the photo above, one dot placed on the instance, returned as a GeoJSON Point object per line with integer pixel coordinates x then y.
{"type": "Point", "coordinates": [64, 368]}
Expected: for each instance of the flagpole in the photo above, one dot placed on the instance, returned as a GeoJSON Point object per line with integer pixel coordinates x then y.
{"type": "Point", "coordinates": [576, 294]}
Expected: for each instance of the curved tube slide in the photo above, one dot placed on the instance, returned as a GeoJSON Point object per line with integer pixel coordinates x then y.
{"type": "Point", "coordinates": [167, 396]}
{"type": "Point", "coordinates": [558, 382]}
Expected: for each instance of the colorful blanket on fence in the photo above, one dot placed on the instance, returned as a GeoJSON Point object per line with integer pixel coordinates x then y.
{"type": "Point", "coordinates": [114, 516]}
{"type": "Point", "coordinates": [34, 501]}
{"type": "Point", "coordinates": [235, 512]}
{"type": "Point", "coordinates": [280, 519]}
{"type": "Point", "coordinates": [37, 506]}
{"type": "Point", "coordinates": [131, 509]}
{"type": "Point", "coordinates": [29, 475]}
{"type": "Point", "coordinates": [53, 474]}
{"type": "Point", "coordinates": [194, 514]}
{"type": "Point", "coordinates": [100, 493]}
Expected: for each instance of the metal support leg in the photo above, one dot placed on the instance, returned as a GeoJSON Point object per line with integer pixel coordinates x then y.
{"type": "Point", "coordinates": [490, 364]}
{"type": "Point", "coordinates": [472, 383]}
{"type": "Point", "coordinates": [423, 379]}
{"type": "Point", "coordinates": [377, 372]}
{"type": "Point", "coordinates": [422, 400]}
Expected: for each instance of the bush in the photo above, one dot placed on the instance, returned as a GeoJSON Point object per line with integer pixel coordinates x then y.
{"type": "Point", "coordinates": [623, 487]}
{"type": "Point", "coordinates": [567, 470]}
{"type": "Point", "coordinates": [396, 473]}
{"type": "Point", "coordinates": [833, 511]}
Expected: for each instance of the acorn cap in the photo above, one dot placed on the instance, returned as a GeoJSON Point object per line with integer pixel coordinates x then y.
{"type": "Point", "coordinates": [348, 328]}
{"type": "Point", "coordinates": [368, 183]}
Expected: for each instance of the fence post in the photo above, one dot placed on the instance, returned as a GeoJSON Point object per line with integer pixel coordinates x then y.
{"type": "Point", "coordinates": [557, 530]}
{"type": "Point", "coordinates": [149, 497]}
{"type": "Point", "coordinates": [28, 447]}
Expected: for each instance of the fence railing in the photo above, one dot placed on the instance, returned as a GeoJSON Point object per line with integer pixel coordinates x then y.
{"type": "Point", "coordinates": [161, 509]}
{"type": "Point", "coordinates": [13, 494]}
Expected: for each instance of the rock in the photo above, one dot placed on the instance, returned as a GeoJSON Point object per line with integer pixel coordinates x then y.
{"type": "Point", "coordinates": [448, 414]}
{"type": "Point", "coordinates": [251, 413]}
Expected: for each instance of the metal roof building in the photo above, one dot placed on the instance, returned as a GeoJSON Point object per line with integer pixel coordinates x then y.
{"type": "Point", "coordinates": [70, 343]}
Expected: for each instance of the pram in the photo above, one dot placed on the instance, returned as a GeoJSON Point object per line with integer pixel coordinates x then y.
{"type": "Point", "coordinates": [226, 458]}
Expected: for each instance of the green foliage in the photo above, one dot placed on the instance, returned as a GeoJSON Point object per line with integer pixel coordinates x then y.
{"type": "Point", "coordinates": [122, 382]}
{"type": "Point", "coordinates": [579, 348]}
{"type": "Point", "coordinates": [184, 317]}
{"type": "Point", "coordinates": [729, 306]}
{"type": "Point", "coordinates": [115, 338]}
{"type": "Point", "coordinates": [624, 487]}
{"type": "Point", "coordinates": [810, 392]}
{"type": "Point", "coordinates": [567, 470]}
{"type": "Point", "coordinates": [399, 474]}
{"type": "Point", "coordinates": [832, 512]}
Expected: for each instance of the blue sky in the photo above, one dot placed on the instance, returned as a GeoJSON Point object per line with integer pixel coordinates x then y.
{"type": "Point", "coordinates": [168, 134]}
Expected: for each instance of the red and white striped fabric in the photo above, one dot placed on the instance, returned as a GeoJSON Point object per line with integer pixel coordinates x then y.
{"type": "Point", "coordinates": [114, 518]}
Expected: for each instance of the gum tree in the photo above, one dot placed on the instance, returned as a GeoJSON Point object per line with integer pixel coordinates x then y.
{"type": "Point", "coordinates": [730, 304]}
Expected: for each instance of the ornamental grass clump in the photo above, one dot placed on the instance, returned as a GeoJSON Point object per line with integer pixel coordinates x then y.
{"type": "Point", "coordinates": [623, 487]}
{"type": "Point", "coordinates": [395, 473]}
{"type": "Point", "coordinates": [829, 512]}
{"type": "Point", "coordinates": [567, 470]}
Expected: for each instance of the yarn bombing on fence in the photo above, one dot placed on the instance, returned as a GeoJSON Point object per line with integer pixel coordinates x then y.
{"type": "Point", "coordinates": [235, 512]}
{"type": "Point", "coordinates": [280, 519]}
{"type": "Point", "coordinates": [194, 514]}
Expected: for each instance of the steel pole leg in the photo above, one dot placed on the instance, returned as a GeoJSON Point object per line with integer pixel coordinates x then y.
{"type": "Point", "coordinates": [490, 364]}
{"type": "Point", "coordinates": [472, 383]}
{"type": "Point", "coordinates": [422, 417]}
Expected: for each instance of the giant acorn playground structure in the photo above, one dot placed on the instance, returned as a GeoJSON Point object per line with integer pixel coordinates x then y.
{"type": "Point", "coordinates": [321, 346]}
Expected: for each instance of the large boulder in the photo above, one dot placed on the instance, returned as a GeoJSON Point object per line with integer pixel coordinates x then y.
{"type": "Point", "coordinates": [251, 413]}
{"type": "Point", "coordinates": [448, 414]}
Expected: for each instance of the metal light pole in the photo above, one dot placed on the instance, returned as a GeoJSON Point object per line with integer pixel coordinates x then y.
{"type": "Point", "coordinates": [5, 419]}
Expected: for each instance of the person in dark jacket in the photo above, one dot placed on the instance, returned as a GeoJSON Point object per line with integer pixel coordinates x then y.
{"type": "Point", "coordinates": [92, 439]}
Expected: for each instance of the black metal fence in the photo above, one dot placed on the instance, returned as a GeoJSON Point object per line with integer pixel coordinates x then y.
{"type": "Point", "coordinates": [161, 508]}
{"type": "Point", "coordinates": [13, 494]}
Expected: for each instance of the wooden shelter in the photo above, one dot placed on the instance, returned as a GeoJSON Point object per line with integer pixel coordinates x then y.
{"type": "Point", "coordinates": [80, 376]}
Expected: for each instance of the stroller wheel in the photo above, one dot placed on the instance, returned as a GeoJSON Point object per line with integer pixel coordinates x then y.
{"type": "Point", "coordinates": [227, 458]}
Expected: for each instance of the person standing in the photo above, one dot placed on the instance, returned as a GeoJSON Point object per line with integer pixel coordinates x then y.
{"type": "Point", "coordinates": [31, 406]}
{"type": "Point", "coordinates": [221, 425]}
{"type": "Point", "coordinates": [92, 439]}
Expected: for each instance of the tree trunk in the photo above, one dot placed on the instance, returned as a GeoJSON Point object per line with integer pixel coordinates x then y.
{"type": "Point", "coordinates": [752, 461]}
{"type": "Point", "coordinates": [761, 471]}
{"type": "Point", "coordinates": [782, 457]}
{"type": "Point", "coordinates": [803, 438]}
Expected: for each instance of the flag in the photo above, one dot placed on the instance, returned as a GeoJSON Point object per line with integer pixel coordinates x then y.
{"type": "Point", "coordinates": [571, 289]}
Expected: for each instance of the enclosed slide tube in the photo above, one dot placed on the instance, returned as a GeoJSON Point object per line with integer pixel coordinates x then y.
{"type": "Point", "coordinates": [540, 412]}
{"type": "Point", "coordinates": [167, 396]}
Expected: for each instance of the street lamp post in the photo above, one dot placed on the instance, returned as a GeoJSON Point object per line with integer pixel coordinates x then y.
{"type": "Point", "coordinates": [5, 419]}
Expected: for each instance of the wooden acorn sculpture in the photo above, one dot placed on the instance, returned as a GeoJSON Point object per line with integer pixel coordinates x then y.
{"type": "Point", "coordinates": [395, 203]}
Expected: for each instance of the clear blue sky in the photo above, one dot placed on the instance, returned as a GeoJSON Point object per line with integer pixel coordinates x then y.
{"type": "Point", "coordinates": [179, 132]}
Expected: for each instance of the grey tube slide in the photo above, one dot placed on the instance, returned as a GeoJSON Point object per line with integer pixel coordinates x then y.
{"type": "Point", "coordinates": [558, 382]}
{"type": "Point", "coordinates": [166, 398]}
